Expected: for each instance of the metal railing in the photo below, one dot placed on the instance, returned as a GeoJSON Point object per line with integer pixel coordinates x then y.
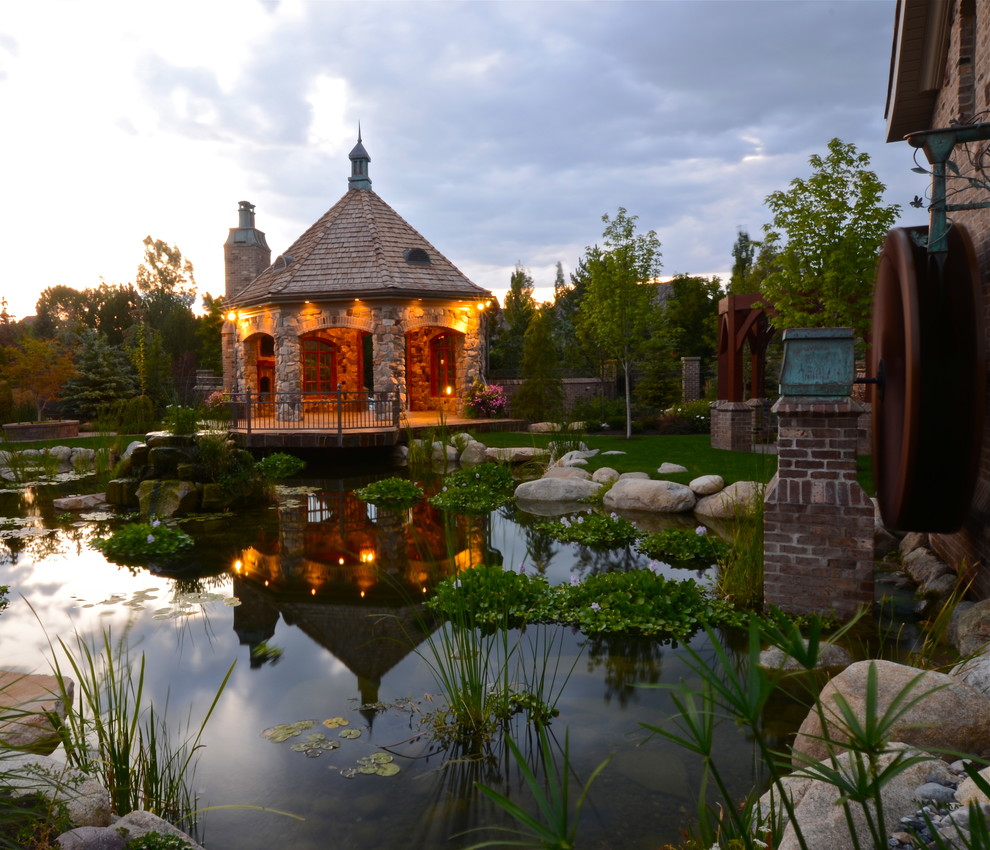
{"type": "Point", "coordinates": [339, 412]}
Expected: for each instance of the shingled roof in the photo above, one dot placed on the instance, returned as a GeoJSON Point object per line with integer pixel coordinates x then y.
{"type": "Point", "coordinates": [360, 248]}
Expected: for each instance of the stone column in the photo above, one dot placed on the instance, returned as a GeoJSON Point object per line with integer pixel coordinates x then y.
{"type": "Point", "coordinates": [229, 343]}
{"type": "Point", "coordinates": [288, 377]}
{"type": "Point", "coordinates": [818, 521]}
{"type": "Point", "coordinates": [690, 378]}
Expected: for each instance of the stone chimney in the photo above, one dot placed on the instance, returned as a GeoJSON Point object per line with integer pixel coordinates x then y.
{"type": "Point", "coordinates": [246, 253]}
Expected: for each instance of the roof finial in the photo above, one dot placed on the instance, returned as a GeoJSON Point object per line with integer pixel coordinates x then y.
{"type": "Point", "coordinates": [359, 178]}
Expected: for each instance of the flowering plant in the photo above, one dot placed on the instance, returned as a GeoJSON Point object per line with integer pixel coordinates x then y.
{"type": "Point", "coordinates": [485, 400]}
{"type": "Point", "coordinates": [215, 399]}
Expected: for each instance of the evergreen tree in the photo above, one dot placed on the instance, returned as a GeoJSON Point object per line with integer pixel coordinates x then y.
{"type": "Point", "coordinates": [743, 253]}
{"type": "Point", "coordinates": [517, 311]}
{"type": "Point", "coordinates": [103, 376]}
{"type": "Point", "coordinates": [541, 396]}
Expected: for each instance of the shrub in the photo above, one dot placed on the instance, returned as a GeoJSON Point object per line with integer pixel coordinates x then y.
{"type": "Point", "coordinates": [134, 415]}
{"type": "Point", "coordinates": [391, 493]}
{"type": "Point", "coordinates": [693, 417]}
{"type": "Point", "coordinates": [485, 400]}
{"type": "Point", "coordinates": [279, 465]}
{"type": "Point", "coordinates": [180, 420]}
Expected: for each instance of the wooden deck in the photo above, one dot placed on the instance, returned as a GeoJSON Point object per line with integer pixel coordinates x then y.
{"type": "Point", "coordinates": [352, 431]}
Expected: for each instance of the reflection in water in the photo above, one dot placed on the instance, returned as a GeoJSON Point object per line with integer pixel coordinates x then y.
{"type": "Point", "coordinates": [628, 663]}
{"type": "Point", "coordinates": [334, 590]}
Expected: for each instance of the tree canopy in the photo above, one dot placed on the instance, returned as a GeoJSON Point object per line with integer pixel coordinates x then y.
{"type": "Point", "coordinates": [827, 230]}
{"type": "Point", "coordinates": [618, 309]}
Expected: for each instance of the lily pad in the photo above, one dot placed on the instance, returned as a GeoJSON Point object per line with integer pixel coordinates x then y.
{"type": "Point", "coordinates": [284, 731]}
{"type": "Point", "coordinates": [381, 758]}
{"type": "Point", "coordinates": [335, 722]}
{"type": "Point", "coordinates": [387, 769]}
{"type": "Point", "coordinates": [350, 733]}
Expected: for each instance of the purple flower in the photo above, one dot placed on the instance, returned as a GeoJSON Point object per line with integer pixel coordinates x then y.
{"type": "Point", "coordinates": [151, 538]}
{"type": "Point", "coordinates": [155, 523]}
{"type": "Point", "coordinates": [595, 606]}
{"type": "Point", "coordinates": [575, 581]}
{"type": "Point", "coordinates": [701, 530]}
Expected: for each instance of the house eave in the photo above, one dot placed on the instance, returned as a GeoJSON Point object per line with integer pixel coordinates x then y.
{"type": "Point", "coordinates": [917, 67]}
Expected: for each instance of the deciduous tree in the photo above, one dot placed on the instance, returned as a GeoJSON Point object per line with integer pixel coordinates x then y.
{"type": "Point", "coordinates": [37, 369]}
{"type": "Point", "coordinates": [828, 229]}
{"type": "Point", "coordinates": [618, 309]}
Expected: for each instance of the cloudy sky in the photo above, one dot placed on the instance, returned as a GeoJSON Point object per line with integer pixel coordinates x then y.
{"type": "Point", "coordinates": [502, 131]}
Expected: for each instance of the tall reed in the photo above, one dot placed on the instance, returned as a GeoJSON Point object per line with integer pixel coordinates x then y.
{"type": "Point", "coordinates": [115, 732]}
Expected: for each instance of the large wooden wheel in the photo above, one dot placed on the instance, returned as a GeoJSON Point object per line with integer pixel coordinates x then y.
{"type": "Point", "coordinates": [928, 403]}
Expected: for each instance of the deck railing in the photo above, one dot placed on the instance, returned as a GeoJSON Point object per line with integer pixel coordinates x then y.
{"type": "Point", "coordinates": [340, 411]}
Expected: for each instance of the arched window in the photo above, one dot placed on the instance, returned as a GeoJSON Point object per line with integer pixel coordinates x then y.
{"type": "Point", "coordinates": [443, 366]}
{"type": "Point", "coordinates": [319, 365]}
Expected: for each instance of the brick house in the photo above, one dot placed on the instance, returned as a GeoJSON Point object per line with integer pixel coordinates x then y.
{"type": "Point", "coordinates": [940, 78]}
{"type": "Point", "coordinates": [360, 301]}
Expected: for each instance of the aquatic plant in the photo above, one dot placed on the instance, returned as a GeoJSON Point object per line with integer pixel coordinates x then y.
{"type": "Point", "coordinates": [391, 493]}
{"type": "Point", "coordinates": [116, 733]}
{"type": "Point", "coordinates": [138, 542]}
{"type": "Point", "coordinates": [597, 531]}
{"type": "Point", "coordinates": [556, 823]}
{"type": "Point", "coordinates": [279, 465]}
{"type": "Point", "coordinates": [4, 590]}
{"type": "Point", "coordinates": [678, 544]}
{"type": "Point", "coordinates": [479, 489]}
{"type": "Point", "coordinates": [158, 841]}
{"type": "Point", "coordinates": [740, 573]}
{"type": "Point", "coordinates": [640, 602]}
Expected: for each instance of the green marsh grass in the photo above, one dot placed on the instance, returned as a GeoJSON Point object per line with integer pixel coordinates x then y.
{"type": "Point", "coordinates": [116, 733]}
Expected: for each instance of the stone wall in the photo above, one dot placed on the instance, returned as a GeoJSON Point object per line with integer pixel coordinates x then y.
{"type": "Point", "coordinates": [575, 389]}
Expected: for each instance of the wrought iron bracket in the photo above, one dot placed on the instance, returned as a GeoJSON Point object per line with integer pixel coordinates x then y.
{"type": "Point", "coordinates": [937, 146]}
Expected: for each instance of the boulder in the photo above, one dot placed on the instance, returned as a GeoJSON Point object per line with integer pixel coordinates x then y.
{"type": "Point", "coordinates": [969, 792]}
{"type": "Point", "coordinates": [631, 494]}
{"type": "Point", "coordinates": [79, 503]}
{"type": "Point", "coordinates": [164, 498]}
{"type": "Point", "coordinates": [671, 468]}
{"type": "Point", "coordinates": [576, 457]}
{"type": "Point", "coordinates": [923, 566]}
{"type": "Point", "coordinates": [635, 476]}
{"type": "Point", "coordinates": [736, 500]}
{"type": "Point", "coordinates": [473, 453]}
{"type": "Point", "coordinates": [444, 454]}
{"type": "Point", "coordinates": [975, 672]}
{"type": "Point", "coordinates": [707, 485]}
{"type": "Point", "coordinates": [605, 475]}
{"type": "Point", "coordinates": [519, 454]}
{"type": "Point", "coordinates": [970, 629]}
{"type": "Point", "coordinates": [63, 454]}
{"type": "Point", "coordinates": [829, 656]}
{"type": "Point", "coordinates": [138, 823]}
{"type": "Point", "coordinates": [122, 492]}
{"type": "Point", "coordinates": [568, 472]}
{"type": "Point", "coordinates": [946, 713]}
{"type": "Point", "coordinates": [911, 541]}
{"type": "Point", "coordinates": [557, 490]}
{"type": "Point", "coordinates": [126, 455]}
{"type": "Point", "coordinates": [823, 821]}
{"type": "Point", "coordinates": [91, 838]}
{"type": "Point", "coordinates": [87, 802]}
{"type": "Point", "coordinates": [28, 702]}
{"type": "Point", "coordinates": [82, 458]}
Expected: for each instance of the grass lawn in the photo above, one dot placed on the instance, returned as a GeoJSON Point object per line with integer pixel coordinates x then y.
{"type": "Point", "coordinates": [644, 453]}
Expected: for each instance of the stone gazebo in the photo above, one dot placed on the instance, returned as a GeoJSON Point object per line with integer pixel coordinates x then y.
{"type": "Point", "coordinates": [360, 303]}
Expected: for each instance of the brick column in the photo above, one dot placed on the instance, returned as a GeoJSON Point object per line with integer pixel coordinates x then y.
{"type": "Point", "coordinates": [690, 378]}
{"type": "Point", "coordinates": [818, 521]}
{"type": "Point", "coordinates": [732, 426]}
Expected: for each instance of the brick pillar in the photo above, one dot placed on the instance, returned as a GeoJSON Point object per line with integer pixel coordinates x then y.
{"type": "Point", "coordinates": [818, 522]}
{"type": "Point", "coordinates": [690, 378]}
{"type": "Point", "coordinates": [732, 426]}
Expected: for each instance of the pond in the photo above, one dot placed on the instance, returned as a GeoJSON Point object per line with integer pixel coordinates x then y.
{"type": "Point", "coordinates": [319, 601]}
